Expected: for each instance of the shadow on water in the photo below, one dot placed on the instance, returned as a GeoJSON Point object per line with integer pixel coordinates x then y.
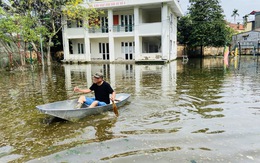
{"type": "Point", "coordinates": [193, 112]}
{"type": "Point", "coordinates": [102, 125]}
{"type": "Point", "coordinates": [51, 120]}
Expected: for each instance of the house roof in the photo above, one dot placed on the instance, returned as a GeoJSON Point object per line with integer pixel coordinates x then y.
{"type": "Point", "coordinates": [236, 26]}
{"type": "Point", "coordinates": [254, 12]}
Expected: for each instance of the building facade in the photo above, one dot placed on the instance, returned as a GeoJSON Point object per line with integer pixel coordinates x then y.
{"type": "Point", "coordinates": [249, 40]}
{"type": "Point", "coordinates": [130, 30]}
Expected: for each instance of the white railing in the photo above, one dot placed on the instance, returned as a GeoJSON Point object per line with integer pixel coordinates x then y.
{"type": "Point", "coordinates": [143, 30]}
{"type": "Point", "coordinates": [98, 30]}
{"type": "Point", "coordinates": [123, 28]}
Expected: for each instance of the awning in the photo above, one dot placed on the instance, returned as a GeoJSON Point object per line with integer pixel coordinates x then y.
{"type": "Point", "coordinates": [246, 35]}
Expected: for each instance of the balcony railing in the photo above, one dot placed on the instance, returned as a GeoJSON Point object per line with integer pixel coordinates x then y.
{"type": "Point", "coordinates": [116, 28]}
{"type": "Point", "coordinates": [98, 30]}
{"type": "Point", "coordinates": [123, 28]}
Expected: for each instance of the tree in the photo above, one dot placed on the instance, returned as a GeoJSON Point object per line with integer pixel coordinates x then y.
{"type": "Point", "coordinates": [245, 20]}
{"type": "Point", "coordinates": [13, 29]}
{"type": "Point", "coordinates": [208, 24]}
{"type": "Point", "coordinates": [184, 29]}
{"type": "Point", "coordinates": [46, 13]}
{"type": "Point", "coordinates": [230, 33]}
{"type": "Point", "coordinates": [235, 14]}
{"type": "Point", "coordinates": [36, 18]}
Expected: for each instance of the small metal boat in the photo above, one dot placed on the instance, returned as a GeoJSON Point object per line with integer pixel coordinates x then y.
{"type": "Point", "coordinates": [65, 109]}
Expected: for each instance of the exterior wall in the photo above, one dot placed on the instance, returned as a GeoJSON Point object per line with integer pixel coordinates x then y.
{"type": "Point", "coordinates": [257, 20]}
{"type": "Point", "coordinates": [146, 18]}
{"type": "Point", "coordinates": [180, 51]}
{"type": "Point", "coordinates": [249, 27]}
{"type": "Point", "coordinates": [208, 51]}
{"type": "Point", "coordinates": [94, 46]}
{"type": "Point", "coordinates": [246, 37]}
{"type": "Point", "coordinates": [118, 50]}
{"type": "Point", "coordinates": [213, 51]}
{"type": "Point", "coordinates": [249, 41]}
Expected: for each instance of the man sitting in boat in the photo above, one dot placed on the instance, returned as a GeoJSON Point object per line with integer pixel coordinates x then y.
{"type": "Point", "coordinates": [102, 91]}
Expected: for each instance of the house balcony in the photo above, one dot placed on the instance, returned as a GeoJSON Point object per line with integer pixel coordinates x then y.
{"type": "Point", "coordinates": [75, 32]}
{"type": "Point", "coordinates": [145, 29]}
{"type": "Point", "coordinates": [150, 29]}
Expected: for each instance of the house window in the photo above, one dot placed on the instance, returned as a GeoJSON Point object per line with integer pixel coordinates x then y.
{"type": "Point", "coordinates": [104, 24]}
{"type": "Point", "coordinates": [74, 23]}
{"type": "Point", "coordinates": [127, 23]}
{"type": "Point", "coordinates": [104, 50]}
{"type": "Point", "coordinates": [79, 23]}
{"type": "Point", "coordinates": [80, 48]}
{"type": "Point", "coordinates": [100, 48]}
{"type": "Point", "coordinates": [127, 50]}
{"type": "Point", "coordinates": [69, 23]}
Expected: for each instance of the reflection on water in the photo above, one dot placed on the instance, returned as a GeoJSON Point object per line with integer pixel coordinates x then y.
{"type": "Point", "coordinates": [197, 111]}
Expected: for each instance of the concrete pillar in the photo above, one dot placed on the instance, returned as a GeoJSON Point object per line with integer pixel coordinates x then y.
{"type": "Point", "coordinates": [111, 36]}
{"type": "Point", "coordinates": [136, 37]}
{"type": "Point", "coordinates": [87, 46]}
{"type": "Point", "coordinates": [65, 39]}
{"type": "Point", "coordinates": [174, 36]}
{"type": "Point", "coordinates": [165, 32]}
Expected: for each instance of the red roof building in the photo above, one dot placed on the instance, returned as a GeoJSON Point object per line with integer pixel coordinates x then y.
{"type": "Point", "coordinates": [253, 12]}
{"type": "Point", "coordinates": [237, 27]}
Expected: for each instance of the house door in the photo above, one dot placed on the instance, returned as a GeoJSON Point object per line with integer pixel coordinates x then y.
{"type": "Point", "coordinates": [127, 50]}
{"type": "Point", "coordinates": [127, 21]}
{"type": "Point", "coordinates": [104, 50]}
{"type": "Point", "coordinates": [104, 24]}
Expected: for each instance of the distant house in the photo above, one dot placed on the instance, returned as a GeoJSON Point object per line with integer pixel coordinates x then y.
{"type": "Point", "coordinates": [256, 23]}
{"type": "Point", "coordinates": [249, 40]}
{"type": "Point", "coordinates": [131, 30]}
{"type": "Point", "coordinates": [237, 27]}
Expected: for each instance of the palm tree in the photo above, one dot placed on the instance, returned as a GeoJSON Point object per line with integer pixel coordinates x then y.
{"type": "Point", "coordinates": [235, 14]}
{"type": "Point", "coordinates": [245, 19]}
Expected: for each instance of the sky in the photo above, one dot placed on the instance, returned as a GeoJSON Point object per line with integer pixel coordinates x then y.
{"type": "Point", "coordinates": [243, 6]}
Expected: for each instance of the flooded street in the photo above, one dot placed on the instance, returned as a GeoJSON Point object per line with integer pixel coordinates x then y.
{"type": "Point", "coordinates": [191, 112]}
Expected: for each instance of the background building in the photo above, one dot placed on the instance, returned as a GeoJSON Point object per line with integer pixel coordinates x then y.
{"type": "Point", "coordinates": [130, 30]}
{"type": "Point", "coordinates": [249, 40]}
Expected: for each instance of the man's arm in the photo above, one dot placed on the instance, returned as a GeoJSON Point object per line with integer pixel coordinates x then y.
{"type": "Point", "coordinates": [76, 89]}
{"type": "Point", "coordinates": [113, 96]}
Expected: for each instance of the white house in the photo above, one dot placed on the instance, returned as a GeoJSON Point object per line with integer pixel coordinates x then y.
{"type": "Point", "coordinates": [130, 30]}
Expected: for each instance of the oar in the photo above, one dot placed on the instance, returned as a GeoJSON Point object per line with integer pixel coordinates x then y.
{"type": "Point", "coordinates": [115, 108]}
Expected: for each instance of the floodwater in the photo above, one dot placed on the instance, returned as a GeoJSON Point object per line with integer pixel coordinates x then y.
{"type": "Point", "coordinates": [195, 111]}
